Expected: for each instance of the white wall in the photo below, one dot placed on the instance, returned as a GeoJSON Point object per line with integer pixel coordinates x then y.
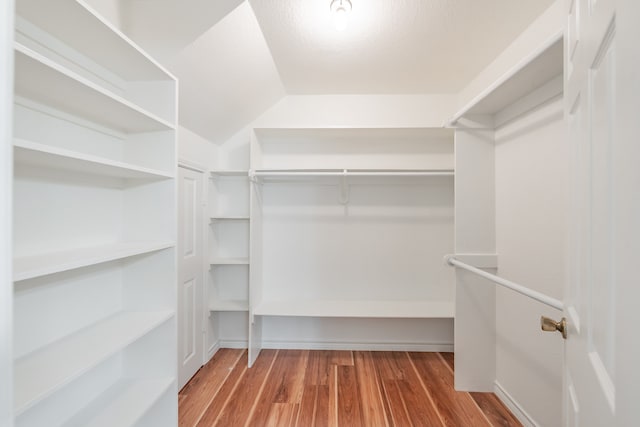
{"type": "Point", "coordinates": [114, 11]}
{"type": "Point", "coordinates": [531, 161]}
{"type": "Point", "coordinates": [194, 148]}
{"type": "Point", "coordinates": [364, 111]}
{"type": "Point", "coordinates": [6, 172]}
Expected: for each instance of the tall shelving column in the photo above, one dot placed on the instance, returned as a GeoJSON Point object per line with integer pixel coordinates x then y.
{"type": "Point", "coordinates": [229, 248]}
{"type": "Point", "coordinates": [94, 140]}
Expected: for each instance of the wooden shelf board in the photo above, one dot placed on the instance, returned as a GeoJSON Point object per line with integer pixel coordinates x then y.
{"type": "Point", "coordinates": [229, 261]}
{"type": "Point", "coordinates": [77, 25]}
{"type": "Point", "coordinates": [342, 308]}
{"type": "Point", "coordinates": [42, 80]}
{"type": "Point", "coordinates": [123, 404]}
{"type": "Point", "coordinates": [531, 74]}
{"type": "Point", "coordinates": [230, 218]}
{"type": "Point", "coordinates": [229, 305]}
{"type": "Point", "coordinates": [45, 156]}
{"type": "Point", "coordinates": [42, 372]}
{"type": "Point", "coordinates": [238, 173]}
{"type": "Point", "coordinates": [29, 267]}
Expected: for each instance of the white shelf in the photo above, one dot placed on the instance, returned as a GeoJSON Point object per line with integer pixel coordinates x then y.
{"type": "Point", "coordinates": [229, 305]}
{"type": "Point", "coordinates": [78, 26]}
{"type": "Point", "coordinates": [45, 156]}
{"type": "Point", "coordinates": [294, 174]}
{"type": "Point", "coordinates": [29, 267]}
{"type": "Point", "coordinates": [229, 261]}
{"type": "Point", "coordinates": [123, 404]}
{"type": "Point", "coordinates": [532, 73]}
{"type": "Point", "coordinates": [44, 81]}
{"type": "Point", "coordinates": [237, 173]}
{"type": "Point", "coordinates": [41, 373]}
{"type": "Point", "coordinates": [342, 308]}
{"type": "Point", "coordinates": [230, 218]}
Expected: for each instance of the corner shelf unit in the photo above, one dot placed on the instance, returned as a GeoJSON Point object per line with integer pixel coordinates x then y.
{"type": "Point", "coordinates": [229, 241]}
{"type": "Point", "coordinates": [94, 142]}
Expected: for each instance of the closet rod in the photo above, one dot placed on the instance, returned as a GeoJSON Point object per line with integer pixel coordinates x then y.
{"type": "Point", "coordinates": [538, 296]}
{"type": "Point", "coordinates": [347, 172]}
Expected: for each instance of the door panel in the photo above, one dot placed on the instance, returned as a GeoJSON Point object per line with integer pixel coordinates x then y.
{"type": "Point", "coordinates": [190, 274]}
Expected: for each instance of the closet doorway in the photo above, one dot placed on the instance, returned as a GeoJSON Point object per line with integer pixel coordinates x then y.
{"type": "Point", "coordinates": [190, 273]}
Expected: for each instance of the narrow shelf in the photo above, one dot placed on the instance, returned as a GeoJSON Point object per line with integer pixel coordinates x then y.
{"type": "Point", "coordinates": [320, 173]}
{"type": "Point", "coordinates": [78, 26]}
{"type": "Point", "coordinates": [342, 308]}
{"type": "Point", "coordinates": [230, 218]}
{"type": "Point", "coordinates": [229, 305]}
{"type": "Point", "coordinates": [123, 404]}
{"type": "Point", "coordinates": [229, 261]}
{"type": "Point", "coordinates": [29, 267]}
{"type": "Point", "coordinates": [238, 173]}
{"type": "Point", "coordinates": [44, 81]}
{"type": "Point", "coordinates": [45, 156]}
{"type": "Point", "coordinates": [41, 373]}
{"type": "Point", "coordinates": [531, 73]}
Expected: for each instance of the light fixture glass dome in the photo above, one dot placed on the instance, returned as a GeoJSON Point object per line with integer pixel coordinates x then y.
{"type": "Point", "coordinates": [340, 10]}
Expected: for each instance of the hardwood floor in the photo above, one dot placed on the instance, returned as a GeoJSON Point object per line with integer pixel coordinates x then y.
{"type": "Point", "coordinates": [334, 388]}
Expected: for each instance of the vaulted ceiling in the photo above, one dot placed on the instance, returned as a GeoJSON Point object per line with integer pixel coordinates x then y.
{"type": "Point", "coordinates": [237, 58]}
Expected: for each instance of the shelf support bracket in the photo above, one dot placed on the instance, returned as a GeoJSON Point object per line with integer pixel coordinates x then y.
{"type": "Point", "coordinates": [344, 188]}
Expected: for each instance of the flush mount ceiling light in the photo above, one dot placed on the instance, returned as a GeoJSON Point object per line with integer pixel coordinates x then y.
{"type": "Point", "coordinates": [340, 10]}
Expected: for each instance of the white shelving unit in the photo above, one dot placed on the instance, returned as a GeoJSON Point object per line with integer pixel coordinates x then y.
{"type": "Point", "coordinates": [350, 224]}
{"type": "Point", "coordinates": [94, 232]}
{"type": "Point", "coordinates": [229, 242]}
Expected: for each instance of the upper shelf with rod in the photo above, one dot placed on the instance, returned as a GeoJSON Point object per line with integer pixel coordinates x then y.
{"type": "Point", "coordinates": [293, 174]}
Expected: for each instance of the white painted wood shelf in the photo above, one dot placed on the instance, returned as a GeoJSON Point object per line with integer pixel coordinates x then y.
{"type": "Point", "coordinates": [229, 173]}
{"type": "Point", "coordinates": [358, 308]}
{"type": "Point", "coordinates": [229, 261]}
{"type": "Point", "coordinates": [229, 305]}
{"type": "Point", "coordinates": [44, 156]}
{"type": "Point", "coordinates": [293, 174]}
{"type": "Point", "coordinates": [44, 81]}
{"type": "Point", "coordinates": [124, 404]}
{"type": "Point", "coordinates": [29, 267]}
{"type": "Point", "coordinates": [44, 371]}
{"type": "Point", "coordinates": [230, 218]}
{"type": "Point", "coordinates": [116, 51]}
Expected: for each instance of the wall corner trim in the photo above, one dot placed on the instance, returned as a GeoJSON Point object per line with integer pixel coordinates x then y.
{"type": "Point", "coordinates": [515, 407]}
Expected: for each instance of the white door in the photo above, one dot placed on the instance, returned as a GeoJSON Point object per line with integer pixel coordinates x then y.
{"type": "Point", "coordinates": [190, 274]}
{"type": "Point", "coordinates": [605, 218]}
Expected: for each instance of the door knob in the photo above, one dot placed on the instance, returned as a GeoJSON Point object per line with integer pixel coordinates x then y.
{"type": "Point", "coordinates": [550, 325]}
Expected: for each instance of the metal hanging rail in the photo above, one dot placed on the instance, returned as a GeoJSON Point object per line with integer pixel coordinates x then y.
{"type": "Point", "coordinates": [538, 296]}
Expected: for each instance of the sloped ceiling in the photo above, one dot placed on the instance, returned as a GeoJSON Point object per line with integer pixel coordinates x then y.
{"type": "Point", "coordinates": [236, 58]}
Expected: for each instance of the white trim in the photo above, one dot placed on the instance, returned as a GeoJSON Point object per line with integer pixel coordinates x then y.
{"type": "Point", "coordinates": [515, 408]}
{"type": "Point", "coordinates": [233, 344]}
{"type": "Point", "coordinates": [211, 351]}
{"type": "Point", "coordinates": [364, 346]}
{"type": "Point", "coordinates": [191, 165]}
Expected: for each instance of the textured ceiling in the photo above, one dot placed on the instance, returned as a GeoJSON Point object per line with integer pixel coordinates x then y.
{"type": "Point", "coordinates": [401, 46]}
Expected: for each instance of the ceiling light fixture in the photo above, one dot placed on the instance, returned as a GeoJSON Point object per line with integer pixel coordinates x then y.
{"type": "Point", "coordinates": [340, 10]}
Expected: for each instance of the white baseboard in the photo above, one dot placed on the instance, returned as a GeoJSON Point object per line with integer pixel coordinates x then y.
{"type": "Point", "coordinates": [302, 345]}
{"type": "Point", "coordinates": [233, 344]}
{"type": "Point", "coordinates": [514, 406]}
{"type": "Point", "coordinates": [212, 350]}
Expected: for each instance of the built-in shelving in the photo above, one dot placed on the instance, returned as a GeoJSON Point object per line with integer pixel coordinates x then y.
{"type": "Point", "coordinates": [359, 308]}
{"type": "Point", "coordinates": [43, 371]}
{"type": "Point", "coordinates": [229, 305]}
{"type": "Point", "coordinates": [33, 266]}
{"type": "Point", "coordinates": [42, 80]}
{"type": "Point", "coordinates": [230, 172]}
{"type": "Point", "coordinates": [229, 261]}
{"type": "Point", "coordinates": [230, 218]}
{"type": "Point", "coordinates": [44, 156]}
{"type": "Point", "coordinates": [317, 173]}
{"type": "Point", "coordinates": [114, 408]}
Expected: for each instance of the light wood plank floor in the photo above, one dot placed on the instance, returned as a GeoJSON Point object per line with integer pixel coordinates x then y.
{"type": "Point", "coordinates": [334, 388]}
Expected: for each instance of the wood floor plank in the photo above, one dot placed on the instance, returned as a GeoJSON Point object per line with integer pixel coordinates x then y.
{"type": "Point", "coordinates": [240, 405]}
{"type": "Point", "coordinates": [318, 368]}
{"type": "Point", "coordinates": [332, 412]}
{"type": "Point", "coordinates": [341, 357]}
{"type": "Point", "coordinates": [212, 414]}
{"type": "Point", "coordinates": [280, 386]}
{"type": "Point", "coordinates": [373, 408]}
{"type": "Point", "coordinates": [397, 407]}
{"type": "Point", "coordinates": [205, 385]}
{"type": "Point", "coordinates": [449, 358]}
{"type": "Point", "coordinates": [417, 398]}
{"type": "Point", "coordinates": [282, 415]}
{"type": "Point", "coordinates": [322, 407]}
{"type": "Point", "coordinates": [494, 410]}
{"type": "Point", "coordinates": [307, 412]}
{"type": "Point", "coordinates": [455, 408]}
{"type": "Point", "coordinates": [349, 410]}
